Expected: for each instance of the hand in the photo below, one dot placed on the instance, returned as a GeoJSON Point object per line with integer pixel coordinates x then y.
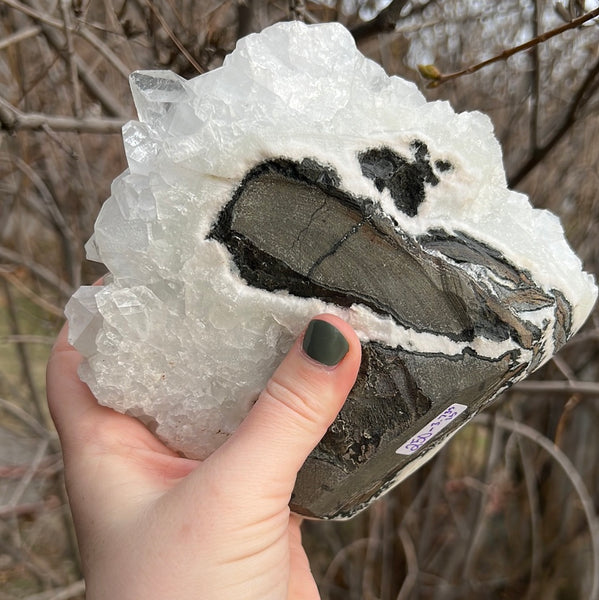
{"type": "Point", "coordinates": [154, 526]}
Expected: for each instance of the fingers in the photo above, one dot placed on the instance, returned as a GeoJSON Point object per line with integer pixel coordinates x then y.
{"type": "Point", "coordinates": [300, 401]}
{"type": "Point", "coordinates": [68, 397]}
{"type": "Point", "coordinates": [82, 423]}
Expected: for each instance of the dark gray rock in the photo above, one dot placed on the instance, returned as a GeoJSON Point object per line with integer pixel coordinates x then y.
{"type": "Point", "coordinates": [291, 227]}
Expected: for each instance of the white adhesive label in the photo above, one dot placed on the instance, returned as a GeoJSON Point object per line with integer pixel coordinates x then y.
{"type": "Point", "coordinates": [430, 430]}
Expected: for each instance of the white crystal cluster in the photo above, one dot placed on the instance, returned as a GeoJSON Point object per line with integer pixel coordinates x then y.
{"type": "Point", "coordinates": [174, 336]}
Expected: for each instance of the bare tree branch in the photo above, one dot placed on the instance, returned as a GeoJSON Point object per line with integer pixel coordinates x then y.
{"type": "Point", "coordinates": [65, 593]}
{"type": "Point", "coordinates": [41, 302]}
{"type": "Point", "coordinates": [51, 30]}
{"type": "Point", "coordinates": [70, 53]}
{"type": "Point", "coordinates": [49, 208]}
{"type": "Point", "coordinates": [566, 387]}
{"type": "Point", "coordinates": [385, 21]}
{"type": "Point", "coordinates": [19, 36]}
{"type": "Point", "coordinates": [437, 78]}
{"type": "Point", "coordinates": [571, 473]}
{"type": "Point", "coordinates": [81, 31]}
{"type": "Point", "coordinates": [171, 34]}
{"type": "Point", "coordinates": [22, 352]}
{"type": "Point", "coordinates": [581, 98]}
{"type": "Point", "coordinates": [535, 78]}
{"type": "Point", "coordinates": [14, 120]}
{"type": "Point", "coordinates": [38, 270]}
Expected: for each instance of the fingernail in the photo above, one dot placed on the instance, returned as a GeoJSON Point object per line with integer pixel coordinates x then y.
{"type": "Point", "coordinates": [324, 343]}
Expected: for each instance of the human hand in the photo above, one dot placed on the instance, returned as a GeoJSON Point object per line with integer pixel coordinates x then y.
{"type": "Point", "coordinates": [154, 526]}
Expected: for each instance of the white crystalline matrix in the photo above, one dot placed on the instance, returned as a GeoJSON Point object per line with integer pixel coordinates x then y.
{"type": "Point", "coordinates": [178, 337]}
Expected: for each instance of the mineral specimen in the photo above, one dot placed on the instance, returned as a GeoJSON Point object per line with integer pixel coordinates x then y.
{"type": "Point", "coordinates": [300, 179]}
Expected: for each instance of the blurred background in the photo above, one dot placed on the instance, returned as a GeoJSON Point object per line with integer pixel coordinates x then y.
{"type": "Point", "coordinates": [509, 509]}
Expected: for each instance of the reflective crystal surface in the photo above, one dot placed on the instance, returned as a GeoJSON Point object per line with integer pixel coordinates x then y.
{"type": "Point", "coordinates": [300, 179]}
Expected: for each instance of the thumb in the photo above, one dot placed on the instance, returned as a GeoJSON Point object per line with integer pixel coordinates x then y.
{"type": "Point", "coordinates": [300, 401]}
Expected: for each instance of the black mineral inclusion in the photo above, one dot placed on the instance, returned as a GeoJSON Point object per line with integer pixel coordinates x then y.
{"type": "Point", "coordinates": [405, 180]}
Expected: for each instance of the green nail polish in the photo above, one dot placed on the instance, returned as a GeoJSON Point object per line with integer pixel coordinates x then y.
{"type": "Point", "coordinates": [324, 343]}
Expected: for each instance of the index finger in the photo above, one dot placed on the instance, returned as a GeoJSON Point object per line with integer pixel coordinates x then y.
{"type": "Point", "coordinates": [69, 399]}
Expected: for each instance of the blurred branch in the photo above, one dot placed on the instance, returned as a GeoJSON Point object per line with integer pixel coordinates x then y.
{"type": "Point", "coordinates": [26, 508]}
{"type": "Point", "coordinates": [23, 354]}
{"type": "Point", "coordinates": [49, 208]}
{"type": "Point", "coordinates": [535, 77]}
{"type": "Point", "coordinates": [70, 54]}
{"type": "Point", "coordinates": [436, 78]}
{"type": "Point", "coordinates": [582, 96]}
{"type": "Point", "coordinates": [12, 120]}
{"type": "Point", "coordinates": [65, 593]}
{"type": "Point", "coordinates": [571, 473]}
{"type": "Point", "coordinates": [358, 545]}
{"type": "Point", "coordinates": [25, 338]}
{"type": "Point", "coordinates": [171, 34]}
{"type": "Point", "coordinates": [532, 492]}
{"type": "Point", "coordinates": [30, 294]}
{"type": "Point", "coordinates": [81, 31]}
{"type": "Point", "coordinates": [38, 270]}
{"type": "Point", "coordinates": [19, 36]}
{"type": "Point", "coordinates": [412, 564]}
{"type": "Point", "coordinates": [385, 21]}
{"type": "Point", "coordinates": [568, 387]}
{"type": "Point", "coordinates": [27, 477]}
{"type": "Point", "coordinates": [51, 29]}
{"type": "Point", "coordinates": [25, 418]}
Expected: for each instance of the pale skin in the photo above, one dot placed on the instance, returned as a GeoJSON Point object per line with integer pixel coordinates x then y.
{"type": "Point", "coordinates": [156, 526]}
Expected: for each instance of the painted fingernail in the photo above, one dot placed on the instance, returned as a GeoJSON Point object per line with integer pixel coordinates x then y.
{"type": "Point", "coordinates": [324, 343]}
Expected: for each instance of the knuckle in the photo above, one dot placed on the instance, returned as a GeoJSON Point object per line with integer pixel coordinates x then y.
{"type": "Point", "coordinates": [303, 406]}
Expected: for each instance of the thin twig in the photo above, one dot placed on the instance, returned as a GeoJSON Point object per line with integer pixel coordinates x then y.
{"type": "Point", "coordinates": [387, 565]}
{"type": "Point", "coordinates": [411, 564]}
{"type": "Point", "coordinates": [51, 465]}
{"type": "Point", "coordinates": [564, 368]}
{"type": "Point", "coordinates": [582, 96]}
{"type": "Point", "coordinates": [340, 559]}
{"type": "Point", "coordinates": [49, 208]}
{"type": "Point", "coordinates": [372, 551]}
{"type": "Point", "coordinates": [38, 121]}
{"type": "Point", "coordinates": [437, 78]}
{"type": "Point", "coordinates": [29, 474]}
{"type": "Point", "coordinates": [385, 21]}
{"type": "Point", "coordinates": [476, 531]}
{"type": "Point", "coordinates": [70, 51]}
{"type": "Point", "coordinates": [566, 387]}
{"type": "Point", "coordinates": [57, 311]}
{"type": "Point", "coordinates": [38, 270]}
{"type": "Point", "coordinates": [19, 36]}
{"type": "Point", "coordinates": [83, 32]}
{"type": "Point", "coordinates": [27, 419]}
{"type": "Point", "coordinates": [23, 354]}
{"type": "Point", "coordinates": [26, 508]}
{"type": "Point", "coordinates": [65, 593]}
{"type": "Point", "coordinates": [571, 473]}
{"type": "Point", "coordinates": [535, 90]}
{"type": "Point", "coordinates": [535, 520]}
{"type": "Point", "coordinates": [94, 86]}
{"type": "Point", "coordinates": [27, 339]}
{"type": "Point", "coordinates": [171, 34]}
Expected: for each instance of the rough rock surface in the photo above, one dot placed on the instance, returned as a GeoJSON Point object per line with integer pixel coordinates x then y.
{"type": "Point", "coordinates": [300, 179]}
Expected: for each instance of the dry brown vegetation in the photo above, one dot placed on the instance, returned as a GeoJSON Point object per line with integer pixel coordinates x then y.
{"type": "Point", "coordinates": [509, 508]}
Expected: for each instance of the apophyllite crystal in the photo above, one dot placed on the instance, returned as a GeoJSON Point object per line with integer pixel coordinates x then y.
{"type": "Point", "coordinates": [299, 179]}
